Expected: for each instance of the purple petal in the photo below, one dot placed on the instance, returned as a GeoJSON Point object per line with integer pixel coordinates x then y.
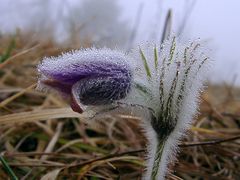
{"type": "Point", "coordinates": [59, 86]}
{"type": "Point", "coordinates": [75, 72]}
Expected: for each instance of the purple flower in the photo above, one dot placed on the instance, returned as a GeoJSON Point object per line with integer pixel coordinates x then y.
{"type": "Point", "coordinates": [163, 82]}
{"type": "Point", "coordinates": [87, 77]}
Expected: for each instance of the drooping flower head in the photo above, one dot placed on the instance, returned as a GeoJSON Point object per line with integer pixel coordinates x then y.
{"type": "Point", "coordinates": [88, 77]}
{"type": "Point", "coordinates": [163, 80]}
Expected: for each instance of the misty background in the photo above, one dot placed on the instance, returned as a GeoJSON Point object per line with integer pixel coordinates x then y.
{"type": "Point", "coordinates": [124, 23]}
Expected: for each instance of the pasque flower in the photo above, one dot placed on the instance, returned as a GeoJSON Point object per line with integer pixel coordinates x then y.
{"type": "Point", "coordinates": [163, 81]}
{"type": "Point", "coordinates": [87, 77]}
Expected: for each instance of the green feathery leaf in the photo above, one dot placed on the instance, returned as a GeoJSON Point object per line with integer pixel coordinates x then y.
{"type": "Point", "coordinates": [155, 57]}
{"type": "Point", "coordinates": [142, 88]}
{"type": "Point", "coordinates": [145, 63]}
{"type": "Point", "coordinates": [172, 49]}
{"type": "Point", "coordinates": [185, 55]}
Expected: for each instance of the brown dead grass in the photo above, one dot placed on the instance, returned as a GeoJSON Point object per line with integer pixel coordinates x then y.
{"type": "Point", "coordinates": [40, 137]}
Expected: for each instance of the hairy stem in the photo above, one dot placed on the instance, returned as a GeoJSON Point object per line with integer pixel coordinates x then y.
{"type": "Point", "coordinates": [157, 158]}
{"type": "Point", "coordinates": [162, 129]}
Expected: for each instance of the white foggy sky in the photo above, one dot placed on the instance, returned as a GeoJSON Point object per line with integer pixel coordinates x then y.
{"type": "Point", "coordinates": [217, 21]}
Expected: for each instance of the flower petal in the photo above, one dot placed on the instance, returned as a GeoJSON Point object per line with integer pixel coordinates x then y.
{"type": "Point", "coordinates": [71, 67]}
{"type": "Point", "coordinates": [75, 72]}
{"type": "Point", "coordinates": [59, 86]}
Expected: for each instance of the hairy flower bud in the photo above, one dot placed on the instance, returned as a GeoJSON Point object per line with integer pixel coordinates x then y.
{"type": "Point", "coordinates": [88, 77]}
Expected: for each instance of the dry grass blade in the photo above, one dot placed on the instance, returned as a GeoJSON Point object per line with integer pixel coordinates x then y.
{"type": "Point", "coordinates": [39, 115]}
{"type": "Point", "coordinates": [17, 55]}
{"type": "Point", "coordinates": [51, 175]}
{"type": "Point", "coordinates": [53, 141]}
{"type": "Point", "coordinates": [8, 100]}
{"type": "Point", "coordinates": [86, 168]}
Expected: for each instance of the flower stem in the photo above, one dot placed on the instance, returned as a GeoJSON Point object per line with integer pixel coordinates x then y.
{"type": "Point", "coordinates": [157, 158]}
